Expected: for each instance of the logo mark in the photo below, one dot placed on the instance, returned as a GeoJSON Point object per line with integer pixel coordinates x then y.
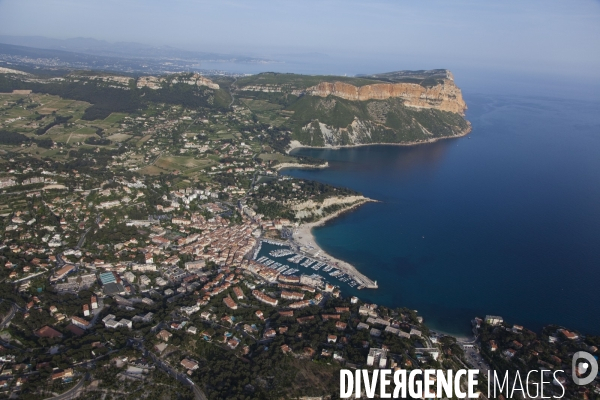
{"type": "Point", "coordinates": [589, 365]}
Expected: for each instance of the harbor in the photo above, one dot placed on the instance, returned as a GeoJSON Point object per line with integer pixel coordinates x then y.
{"type": "Point", "coordinates": [288, 259]}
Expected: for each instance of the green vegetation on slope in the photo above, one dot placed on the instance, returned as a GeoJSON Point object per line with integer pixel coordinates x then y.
{"type": "Point", "coordinates": [378, 121]}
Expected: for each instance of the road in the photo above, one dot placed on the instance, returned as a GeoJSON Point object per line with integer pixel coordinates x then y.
{"type": "Point", "coordinates": [82, 239]}
{"type": "Point", "coordinates": [9, 317]}
{"type": "Point", "coordinates": [476, 361]}
{"type": "Point", "coordinates": [72, 393]}
{"type": "Point", "coordinates": [29, 277]}
{"type": "Point", "coordinates": [166, 367]}
{"type": "Point", "coordinates": [231, 89]}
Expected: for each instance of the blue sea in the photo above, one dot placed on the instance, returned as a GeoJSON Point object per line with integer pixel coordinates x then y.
{"type": "Point", "coordinates": [504, 221]}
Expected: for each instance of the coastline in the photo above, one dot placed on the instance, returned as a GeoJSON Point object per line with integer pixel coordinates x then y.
{"type": "Point", "coordinates": [281, 166]}
{"type": "Point", "coordinates": [304, 240]}
{"type": "Point", "coordinates": [294, 144]}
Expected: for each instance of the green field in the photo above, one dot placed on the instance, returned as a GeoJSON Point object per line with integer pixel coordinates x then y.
{"type": "Point", "coordinates": [260, 105]}
{"type": "Point", "coordinates": [114, 118]}
{"type": "Point", "coordinates": [119, 137]}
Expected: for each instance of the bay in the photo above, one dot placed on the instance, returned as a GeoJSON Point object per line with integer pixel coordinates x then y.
{"type": "Point", "coordinates": [504, 221]}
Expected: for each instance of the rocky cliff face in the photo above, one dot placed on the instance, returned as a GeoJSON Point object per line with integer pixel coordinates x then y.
{"type": "Point", "coordinates": [445, 96]}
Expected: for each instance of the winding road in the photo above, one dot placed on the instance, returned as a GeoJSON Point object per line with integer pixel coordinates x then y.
{"type": "Point", "coordinates": [231, 87]}
{"type": "Point", "coordinates": [72, 393]}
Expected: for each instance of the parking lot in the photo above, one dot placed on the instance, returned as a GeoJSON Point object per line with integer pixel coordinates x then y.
{"type": "Point", "coordinates": [475, 360]}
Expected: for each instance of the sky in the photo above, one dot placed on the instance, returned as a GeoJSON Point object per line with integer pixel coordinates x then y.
{"type": "Point", "coordinates": [547, 37]}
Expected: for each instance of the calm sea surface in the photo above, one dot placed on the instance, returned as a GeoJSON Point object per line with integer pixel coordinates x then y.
{"type": "Point", "coordinates": [505, 221]}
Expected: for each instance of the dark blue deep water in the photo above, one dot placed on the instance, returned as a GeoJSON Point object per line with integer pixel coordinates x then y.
{"type": "Point", "coordinates": [504, 221]}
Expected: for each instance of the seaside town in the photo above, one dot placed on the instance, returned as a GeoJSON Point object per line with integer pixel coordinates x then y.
{"type": "Point", "coordinates": [164, 249]}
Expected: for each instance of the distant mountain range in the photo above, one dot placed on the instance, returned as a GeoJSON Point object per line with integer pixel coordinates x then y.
{"type": "Point", "coordinates": [35, 53]}
{"type": "Point", "coordinates": [120, 49]}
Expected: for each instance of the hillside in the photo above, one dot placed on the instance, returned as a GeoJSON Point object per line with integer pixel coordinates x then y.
{"type": "Point", "coordinates": [395, 107]}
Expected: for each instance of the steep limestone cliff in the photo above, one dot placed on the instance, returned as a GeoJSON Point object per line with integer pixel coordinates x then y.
{"type": "Point", "coordinates": [444, 96]}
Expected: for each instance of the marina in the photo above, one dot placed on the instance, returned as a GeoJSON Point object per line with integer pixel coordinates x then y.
{"type": "Point", "coordinates": [279, 259]}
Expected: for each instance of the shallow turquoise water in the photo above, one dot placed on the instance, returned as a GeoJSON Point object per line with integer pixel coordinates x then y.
{"type": "Point", "coordinates": [505, 221]}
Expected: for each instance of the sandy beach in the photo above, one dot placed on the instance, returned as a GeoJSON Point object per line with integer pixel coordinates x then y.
{"type": "Point", "coordinates": [304, 239]}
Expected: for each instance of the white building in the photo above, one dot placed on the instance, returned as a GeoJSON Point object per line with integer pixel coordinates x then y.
{"type": "Point", "coordinates": [377, 357]}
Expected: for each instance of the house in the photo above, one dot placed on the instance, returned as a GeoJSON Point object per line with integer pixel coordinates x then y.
{"type": "Point", "coordinates": [112, 324]}
{"type": "Point", "coordinates": [48, 332]}
{"type": "Point", "coordinates": [80, 322]}
{"type": "Point", "coordinates": [94, 302]}
{"type": "Point", "coordinates": [433, 352]}
{"type": "Point", "coordinates": [375, 332]}
{"type": "Point", "coordinates": [230, 303]}
{"type": "Point", "coordinates": [260, 296]}
{"type": "Point", "coordinates": [67, 373]}
{"type": "Point", "coordinates": [126, 323]}
{"type": "Point", "coordinates": [239, 294]}
{"type": "Point", "coordinates": [361, 326]}
{"type": "Point", "coordinates": [193, 330]}
{"type": "Point", "coordinates": [339, 325]}
{"type": "Point", "coordinates": [260, 314]}
{"type": "Point", "coordinates": [377, 357]}
{"type": "Point", "coordinates": [415, 332]}
{"type": "Point", "coordinates": [205, 315]}
{"type": "Point", "coordinates": [393, 331]}
{"type": "Point", "coordinates": [61, 273]}
{"type": "Point", "coordinates": [300, 304]}
{"type": "Point", "coordinates": [164, 335]}
{"type": "Point", "coordinates": [509, 353]}
{"type": "Point", "coordinates": [270, 334]}
{"type": "Point", "coordinates": [493, 345]}
{"type": "Point", "coordinates": [285, 349]}
{"type": "Point", "coordinates": [331, 338]}
{"type": "Point", "coordinates": [195, 265]}
{"type": "Point", "coordinates": [493, 320]}
{"type": "Point", "coordinates": [568, 334]}
{"type": "Point", "coordinates": [189, 364]}
{"type": "Point", "coordinates": [108, 318]}
{"type": "Point", "coordinates": [309, 352]}
{"type": "Point", "coordinates": [86, 310]}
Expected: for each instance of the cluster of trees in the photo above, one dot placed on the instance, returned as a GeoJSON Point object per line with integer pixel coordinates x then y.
{"type": "Point", "coordinates": [97, 141]}
{"type": "Point", "coordinates": [16, 138]}
{"type": "Point", "coordinates": [57, 121]}
{"type": "Point", "coordinates": [113, 234]}
{"type": "Point", "coordinates": [283, 190]}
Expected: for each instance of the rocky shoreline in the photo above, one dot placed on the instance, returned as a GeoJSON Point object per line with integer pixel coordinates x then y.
{"type": "Point", "coordinates": [281, 166]}
{"type": "Point", "coordinates": [294, 144]}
